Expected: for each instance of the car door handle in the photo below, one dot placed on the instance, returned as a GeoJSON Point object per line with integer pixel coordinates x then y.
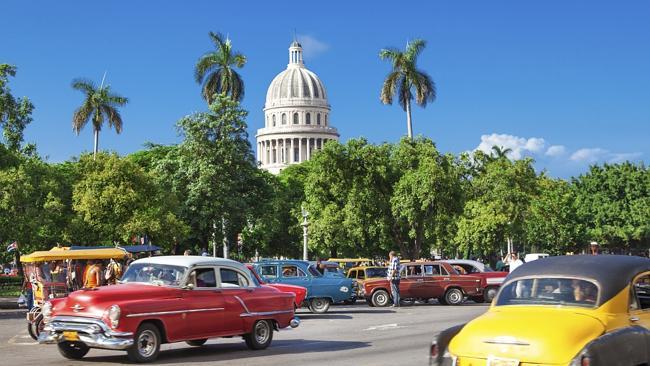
{"type": "Point", "coordinates": [447, 279]}
{"type": "Point", "coordinates": [634, 319]}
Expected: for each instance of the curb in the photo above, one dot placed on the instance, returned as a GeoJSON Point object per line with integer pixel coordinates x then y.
{"type": "Point", "coordinates": [13, 314]}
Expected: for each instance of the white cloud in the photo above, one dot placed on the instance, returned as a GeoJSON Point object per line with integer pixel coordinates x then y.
{"type": "Point", "coordinates": [311, 46]}
{"type": "Point", "coordinates": [593, 155]}
{"type": "Point", "coordinates": [520, 146]}
{"type": "Point", "coordinates": [590, 155]}
{"type": "Point", "coordinates": [556, 150]}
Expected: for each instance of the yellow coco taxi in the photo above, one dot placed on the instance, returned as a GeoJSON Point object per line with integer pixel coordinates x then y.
{"type": "Point", "coordinates": [573, 310]}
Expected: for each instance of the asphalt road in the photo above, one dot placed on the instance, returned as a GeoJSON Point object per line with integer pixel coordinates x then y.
{"type": "Point", "coordinates": [347, 335]}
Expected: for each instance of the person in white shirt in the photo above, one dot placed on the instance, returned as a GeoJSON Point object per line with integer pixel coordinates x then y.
{"type": "Point", "coordinates": [514, 261]}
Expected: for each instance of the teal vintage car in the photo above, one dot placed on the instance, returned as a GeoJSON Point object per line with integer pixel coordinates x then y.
{"type": "Point", "coordinates": [322, 291]}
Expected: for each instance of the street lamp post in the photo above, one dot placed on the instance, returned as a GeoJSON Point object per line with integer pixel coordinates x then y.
{"type": "Point", "coordinates": [305, 225]}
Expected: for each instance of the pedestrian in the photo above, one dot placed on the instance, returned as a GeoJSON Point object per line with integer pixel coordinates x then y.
{"type": "Point", "coordinates": [187, 252]}
{"type": "Point", "coordinates": [93, 275]}
{"type": "Point", "coordinates": [514, 261]}
{"type": "Point", "coordinates": [393, 275]}
{"type": "Point", "coordinates": [28, 292]}
{"type": "Point", "coordinates": [500, 266]}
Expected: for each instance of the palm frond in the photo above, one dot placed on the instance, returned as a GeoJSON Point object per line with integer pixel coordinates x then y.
{"type": "Point", "coordinates": [217, 39]}
{"type": "Point", "coordinates": [81, 116]}
{"type": "Point", "coordinates": [404, 92]}
{"type": "Point", "coordinates": [425, 88]}
{"type": "Point", "coordinates": [239, 60]}
{"type": "Point", "coordinates": [237, 90]}
{"type": "Point", "coordinates": [84, 85]}
{"type": "Point", "coordinates": [414, 48]}
{"type": "Point", "coordinates": [389, 87]}
{"type": "Point", "coordinates": [114, 118]}
{"type": "Point", "coordinates": [211, 86]}
{"type": "Point", "coordinates": [206, 64]}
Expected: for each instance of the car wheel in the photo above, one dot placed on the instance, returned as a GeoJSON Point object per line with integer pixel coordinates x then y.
{"type": "Point", "coordinates": [73, 350]}
{"type": "Point", "coordinates": [35, 328]}
{"type": "Point", "coordinates": [454, 296]}
{"type": "Point", "coordinates": [261, 336]}
{"type": "Point", "coordinates": [197, 342]}
{"type": "Point", "coordinates": [380, 298]}
{"type": "Point", "coordinates": [319, 305]}
{"type": "Point", "coordinates": [490, 294]}
{"type": "Point", "coordinates": [146, 346]}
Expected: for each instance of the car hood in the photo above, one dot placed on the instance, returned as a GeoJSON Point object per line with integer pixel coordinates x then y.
{"type": "Point", "coordinates": [94, 302]}
{"type": "Point", "coordinates": [533, 334]}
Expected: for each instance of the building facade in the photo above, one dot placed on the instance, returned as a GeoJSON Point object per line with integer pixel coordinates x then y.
{"type": "Point", "coordinates": [296, 116]}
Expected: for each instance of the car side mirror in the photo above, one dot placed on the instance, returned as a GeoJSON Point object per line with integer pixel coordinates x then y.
{"type": "Point", "coordinates": [189, 286]}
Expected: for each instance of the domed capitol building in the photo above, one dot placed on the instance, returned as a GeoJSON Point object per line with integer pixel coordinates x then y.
{"type": "Point", "coordinates": [296, 116]}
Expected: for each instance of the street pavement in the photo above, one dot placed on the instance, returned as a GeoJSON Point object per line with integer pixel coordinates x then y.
{"type": "Point", "coordinates": [346, 335]}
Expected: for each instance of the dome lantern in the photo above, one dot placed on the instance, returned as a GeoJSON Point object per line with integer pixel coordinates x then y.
{"type": "Point", "coordinates": [295, 55]}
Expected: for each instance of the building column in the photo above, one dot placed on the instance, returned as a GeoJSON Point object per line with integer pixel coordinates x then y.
{"type": "Point", "coordinates": [293, 160]}
{"type": "Point", "coordinates": [308, 148]}
{"type": "Point", "coordinates": [300, 150]}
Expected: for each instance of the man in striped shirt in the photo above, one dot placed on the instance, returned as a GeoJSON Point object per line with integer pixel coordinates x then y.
{"type": "Point", "coordinates": [393, 276]}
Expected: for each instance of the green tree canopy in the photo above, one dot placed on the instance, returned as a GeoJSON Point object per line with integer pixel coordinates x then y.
{"type": "Point", "coordinates": [15, 113]}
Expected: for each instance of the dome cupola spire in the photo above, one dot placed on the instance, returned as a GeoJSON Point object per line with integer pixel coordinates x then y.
{"type": "Point", "coordinates": [295, 54]}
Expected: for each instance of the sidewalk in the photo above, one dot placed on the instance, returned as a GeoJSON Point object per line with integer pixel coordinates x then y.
{"type": "Point", "coordinates": [13, 313]}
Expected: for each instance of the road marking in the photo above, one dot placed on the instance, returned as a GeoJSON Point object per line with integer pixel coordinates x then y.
{"type": "Point", "coordinates": [15, 340]}
{"type": "Point", "coordinates": [385, 327]}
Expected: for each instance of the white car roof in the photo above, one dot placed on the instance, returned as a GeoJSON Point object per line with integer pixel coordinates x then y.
{"type": "Point", "coordinates": [477, 264]}
{"type": "Point", "coordinates": [192, 260]}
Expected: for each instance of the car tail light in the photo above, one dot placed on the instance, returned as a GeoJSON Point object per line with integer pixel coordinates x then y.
{"type": "Point", "coordinates": [434, 350]}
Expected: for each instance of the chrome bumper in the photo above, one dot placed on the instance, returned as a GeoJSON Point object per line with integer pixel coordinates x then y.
{"type": "Point", "coordinates": [92, 332]}
{"type": "Point", "coordinates": [295, 322]}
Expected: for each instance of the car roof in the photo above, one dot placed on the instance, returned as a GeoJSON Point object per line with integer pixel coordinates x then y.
{"type": "Point", "coordinates": [611, 272]}
{"type": "Point", "coordinates": [282, 261]}
{"type": "Point", "coordinates": [190, 260]}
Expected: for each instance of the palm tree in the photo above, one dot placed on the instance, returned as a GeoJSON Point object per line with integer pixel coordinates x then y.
{"type": "Point", "coordinates": [99, 104]}
{"type": "Point", "coordinates": [215, 70]}
{"type": "Point", "coordinates": [499, 152]}
{"type": "Point", "coordinates": [404, 77]}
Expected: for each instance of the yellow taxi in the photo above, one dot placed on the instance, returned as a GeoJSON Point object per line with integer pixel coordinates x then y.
{"type": "Point", "coordinates": [346, 263]}
{"type": "Point", "coordinates": [363, 273]}
{"type": "Point", "coordinates": [570, 310]}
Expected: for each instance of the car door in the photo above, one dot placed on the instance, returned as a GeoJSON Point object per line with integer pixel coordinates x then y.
{"type": "Point", "coordinates": [640, 301]}
{"type": "Point", "coordinates": [412, 286]}
{"type": "Point", "coordinates": [434, 278]}
{"type": "Point", "coordinates": [234, 287]}
{"type": "Point", "coordinates": [204, 304]}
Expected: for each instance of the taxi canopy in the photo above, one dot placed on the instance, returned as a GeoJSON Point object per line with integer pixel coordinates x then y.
{"type": "Point", "coordinates": [57, 255]}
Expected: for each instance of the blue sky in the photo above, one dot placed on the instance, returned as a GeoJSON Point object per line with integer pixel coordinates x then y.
{"type": "Point", "coordinates": [565, 82]}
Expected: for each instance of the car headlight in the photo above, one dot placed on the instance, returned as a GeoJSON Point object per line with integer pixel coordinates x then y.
{"type": "Point", "coordinates": [46, 311]}
{"type": "Point", "coordinates": [344, 289]}
{"type": "Point", "coordinates": [114, 313]}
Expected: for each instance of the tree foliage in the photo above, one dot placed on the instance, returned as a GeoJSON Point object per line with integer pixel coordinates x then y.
{"type": "Point", "coordinates": [15, 113]}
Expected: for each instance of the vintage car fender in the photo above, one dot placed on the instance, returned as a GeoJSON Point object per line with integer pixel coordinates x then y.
{"type": "Point", "coordinates": [440, 344]}
{"type": "Point", "coordinates": [625, 346]}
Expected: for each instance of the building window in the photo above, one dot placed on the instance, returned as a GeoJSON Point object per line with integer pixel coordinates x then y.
{"type": "Point", "coordinates": [318, 119]}
{"type": "Point", "coordinates": [308, 118]}
{"type": "Point", "coordinates": [274, 120]}
{"type": "Point", "coordinates": [325, 120]}
{"type": "Point", "coordinates": [295, 118]}
{"type": "Point", "coordinates": [296, 154]}
{"type": "Point", "coordinates": [275, 157]}
{"type": "Point", "coordinates": [284, 119]}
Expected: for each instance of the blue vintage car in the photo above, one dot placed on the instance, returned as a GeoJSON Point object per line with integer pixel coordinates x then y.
{"type": "Point", "coordinates": [321, 290]}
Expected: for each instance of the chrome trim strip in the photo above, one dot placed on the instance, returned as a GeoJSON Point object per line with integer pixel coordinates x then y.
{"type": "Point", "coordinates": [136, 315]}
{"type": "Point", "coordinates": [64, 322]}
{"type": "Point", "coordinates": [510, 342]}
{"type": "Point", "coordinates": [265, 313]}
{"type": "Point", "coordinates": [242, 304]}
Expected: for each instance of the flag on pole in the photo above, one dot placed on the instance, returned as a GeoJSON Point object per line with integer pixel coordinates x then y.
{"type": "Point", "coordinates": [11, 247]}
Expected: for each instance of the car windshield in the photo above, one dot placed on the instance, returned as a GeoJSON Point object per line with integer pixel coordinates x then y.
{"type": "Point", "coordinates": [155, 274]}
{"type": "Point", "coordinates": [487, 268]}
{"type": "Point", "coordinates": [376, 272]}
{"type": "Point", "coordinates": [549, 291]}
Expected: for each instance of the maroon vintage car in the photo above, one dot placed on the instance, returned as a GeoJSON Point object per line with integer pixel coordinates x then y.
{"type": "Point", "coordinates": [168, 299]}
{"type": "Point", "coordinates": [299, 291]}
{"type": "Point", "coordinates": [491, 280]}
{"type": "Point", "coordinates": [425, 281]}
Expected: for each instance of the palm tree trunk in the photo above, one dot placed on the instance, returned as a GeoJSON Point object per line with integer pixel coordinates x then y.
{"type": "Point", "coordinates": [96, 144]}
{"type": "Point", "coordinates": [409, 126]}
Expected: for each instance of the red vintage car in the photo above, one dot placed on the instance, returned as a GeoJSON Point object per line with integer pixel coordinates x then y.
{"type": "Point", "coordinates": [491, 280]}
{"type": "Point", "coordinates": [425, 281]}
{"type": "Point", "coordinates": [299, 291]}
{"type": "Point", "coordinates": [164, 300]}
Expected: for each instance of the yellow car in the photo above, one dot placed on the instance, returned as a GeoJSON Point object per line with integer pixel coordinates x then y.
{"type": "Point", "coordinates": [572, 310]}
{"type": "Point", "coordinates": [346, 263]}
{"type": "Point", "coordinates": [363, 273]}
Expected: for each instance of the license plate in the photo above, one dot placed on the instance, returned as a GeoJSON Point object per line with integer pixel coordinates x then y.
{"type": "Point", "coordinates": [70, 336]}
{"type": "Point", "coordinates": [498, 361]}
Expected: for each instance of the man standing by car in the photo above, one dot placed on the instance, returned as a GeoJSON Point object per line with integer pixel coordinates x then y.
{"type": "Point", "coordinates": [393, 276]}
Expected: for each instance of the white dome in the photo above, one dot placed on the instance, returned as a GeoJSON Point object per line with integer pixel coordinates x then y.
{"type": "Point", "coordinates": [296, 84]}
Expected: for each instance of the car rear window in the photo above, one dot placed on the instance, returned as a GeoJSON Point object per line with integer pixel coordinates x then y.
{"type": "Point", "coordinates": [549, 291]}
